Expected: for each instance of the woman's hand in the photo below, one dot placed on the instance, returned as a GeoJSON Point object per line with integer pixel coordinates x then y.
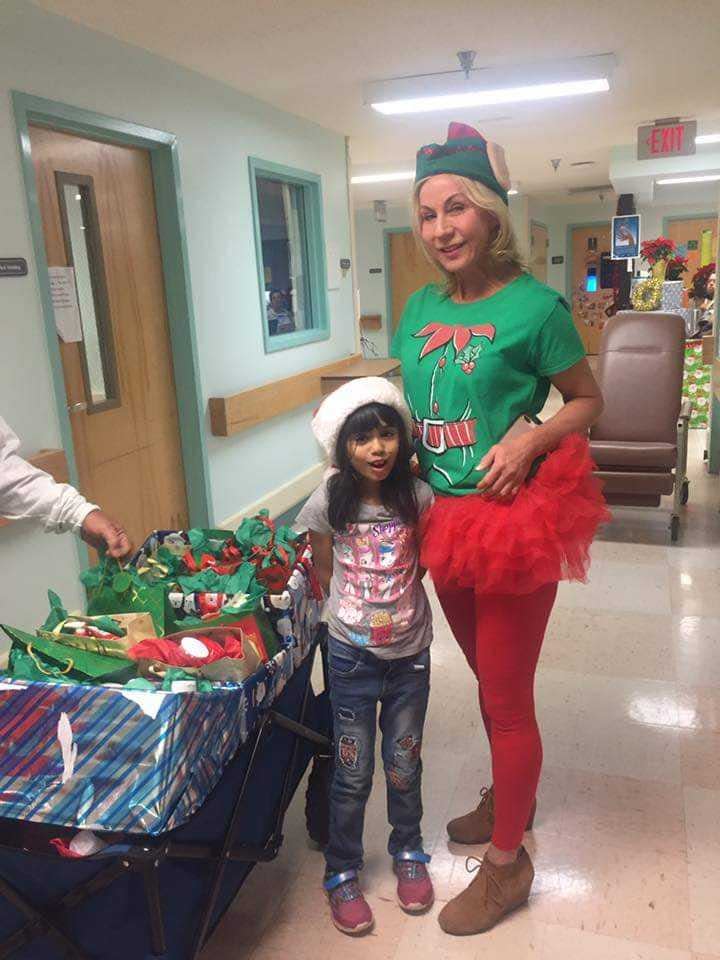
{"type": "Point", "coordinates": [507, 465]}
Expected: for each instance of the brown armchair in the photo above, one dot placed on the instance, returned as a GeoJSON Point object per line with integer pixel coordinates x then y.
{"type": "Point", "coordinates": [640, 442]}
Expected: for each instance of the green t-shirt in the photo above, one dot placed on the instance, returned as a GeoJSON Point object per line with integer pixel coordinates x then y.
{"type": "Point", "coordinates": [471, 369]}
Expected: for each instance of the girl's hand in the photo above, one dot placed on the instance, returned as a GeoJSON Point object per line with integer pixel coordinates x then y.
{"type": "Point", "coordinates": [507, 465]}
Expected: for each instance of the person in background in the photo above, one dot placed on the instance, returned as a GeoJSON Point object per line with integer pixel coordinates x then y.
{"type": "Point", "coordinates": [708, 306]}
{"type": "Point", "coordinates": [702, 292]}
{"type": "Point", "coordinates": [27, 493]}
{"type": "Point", "coordinates": [279, 317]}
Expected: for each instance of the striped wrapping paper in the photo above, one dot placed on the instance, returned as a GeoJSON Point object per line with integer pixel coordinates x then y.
{"type": "Point", "coordinates": [102, 758]}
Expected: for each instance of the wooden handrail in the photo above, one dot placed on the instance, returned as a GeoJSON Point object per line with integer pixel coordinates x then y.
{"type": "Point", "coordinates": [241, 411]}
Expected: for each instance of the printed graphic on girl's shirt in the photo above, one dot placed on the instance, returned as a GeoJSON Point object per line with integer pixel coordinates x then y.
{"type": "Point", "coordinates": [378, 561]}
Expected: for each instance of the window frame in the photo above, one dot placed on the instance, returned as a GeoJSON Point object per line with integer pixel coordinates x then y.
{"type": "Point", "coordinates": [98, 286]}
{"type": "Point", "coordinates": [311, 185]}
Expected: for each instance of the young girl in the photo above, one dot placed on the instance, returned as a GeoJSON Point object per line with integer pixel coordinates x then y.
{"type": "Point", "coordinates": [363, 523]}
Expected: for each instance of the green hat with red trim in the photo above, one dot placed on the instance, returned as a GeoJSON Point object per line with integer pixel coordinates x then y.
{"type": "Point", "coordinates": [466, 153]}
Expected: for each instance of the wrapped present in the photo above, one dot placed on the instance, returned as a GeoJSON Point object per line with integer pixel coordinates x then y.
{"type": "Point", "coordinates": [296, 612]}
{"type": "Point", "coordinates": [137, 759]}
{"type": "Point", "coordinates": [671, 300]}
{"type": "Point", "coordinates": [112, 588]}
{"type": "Point", "coordinates": [272, 549]}
{"type": "Point", "coordinates": [44, 658]}
{"type": "Point", "coordinates": [697, 384]}
{"type": "Point", "coordinates": [133, 761]}
{"type": "Point", "coordinates": [216, 653]}
{"type": "Point", "coordinates": [104, 634]}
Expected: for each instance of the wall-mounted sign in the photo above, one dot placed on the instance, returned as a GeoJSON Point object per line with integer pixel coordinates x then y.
{"type": "Point", "coordinates": [344, 264]}
{"type": "Point", "coordinates": [666, 140]}
{"type": "Point", "coordinates": [557, 260]}
{"type": "Point", "coordinates": [375, 269]}
{"type": "Point", "coordinates": [625, 237]}
{"type": "Point", "coordinates": [13, 267]}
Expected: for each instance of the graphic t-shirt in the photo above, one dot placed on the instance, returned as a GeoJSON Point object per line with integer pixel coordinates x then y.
{"type": "Point", "coordinates": [470, 370]}
{"type": "Point", "coordinates": [376, 599]}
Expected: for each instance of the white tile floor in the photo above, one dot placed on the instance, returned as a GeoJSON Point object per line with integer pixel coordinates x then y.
{"type": "Point", "coordinates": [627, 838]}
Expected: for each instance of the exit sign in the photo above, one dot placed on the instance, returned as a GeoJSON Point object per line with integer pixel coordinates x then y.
{"type": "Point", "coordinates": [673, 139]}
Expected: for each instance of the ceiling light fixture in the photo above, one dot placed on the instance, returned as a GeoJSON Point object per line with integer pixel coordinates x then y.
{"type": "Point", "coordinates": [472, 87]}
{"type": "Point", "coordinates": [513, 192]}
{"type": "Point", "coordinates": [708, 138]}
{"type": "Point", "coordinates": [384, 177]}
{"type": "Point", "coordinates": [709, 178]}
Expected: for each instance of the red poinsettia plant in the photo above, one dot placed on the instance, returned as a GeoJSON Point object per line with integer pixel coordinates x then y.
{"type": "Point", "coordinates": [662, 248]}
{"type": "Point", "coordinates": [676, 267]}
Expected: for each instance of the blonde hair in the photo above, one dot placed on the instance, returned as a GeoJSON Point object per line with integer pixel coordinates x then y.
{"type": "Point", "coordinates": [503, 251]}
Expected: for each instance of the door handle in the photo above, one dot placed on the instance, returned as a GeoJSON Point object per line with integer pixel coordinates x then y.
{"type": "Point", "coordinates": [77, 407]}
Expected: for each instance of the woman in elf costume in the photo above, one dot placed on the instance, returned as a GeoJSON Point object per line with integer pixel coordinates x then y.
{"type": "Point", "coordinates": [515, 511]}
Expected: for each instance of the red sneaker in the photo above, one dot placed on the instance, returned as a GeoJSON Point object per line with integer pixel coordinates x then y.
{"type": "Point", "coordinates": [414, 888]}
{"type": "Point", "coordinates": [348, 907]}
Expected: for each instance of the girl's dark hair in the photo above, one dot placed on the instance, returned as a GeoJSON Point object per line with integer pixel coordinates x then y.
{"type": "Point", "coordinates": [397, 490]}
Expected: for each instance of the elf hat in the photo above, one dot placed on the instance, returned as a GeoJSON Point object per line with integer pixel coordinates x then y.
{"type": "Point", "coordinates": [337, 407]}
{"type": "Point", "coordinates": [466, 153]}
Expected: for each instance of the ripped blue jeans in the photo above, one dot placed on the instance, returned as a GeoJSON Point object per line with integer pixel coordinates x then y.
{"type": "Point", "coordinates": [358, 682]}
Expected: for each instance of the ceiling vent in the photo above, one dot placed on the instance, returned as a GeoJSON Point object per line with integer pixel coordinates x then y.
{"type": "Point", "coordinates": [597, 188]}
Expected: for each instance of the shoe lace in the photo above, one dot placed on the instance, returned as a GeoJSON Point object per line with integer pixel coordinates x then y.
{"type": "Point", "coordinates": [346, 892]}
{"type": "Point", "coordinates": [411, 870]}
{"type": "Point", "coordinates": [487, 799]}
{"type": "Point", "coordinates": [491, 887]}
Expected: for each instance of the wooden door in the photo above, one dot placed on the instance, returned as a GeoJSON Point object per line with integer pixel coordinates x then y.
{"type": "Point", "coordinates": [98, 211]}
{"type": "Point", "coordinates": [587, 245]}
{"type": "Point", "coordinates": [538, 251]}
{"type": "Point", "coordinates": [688, 233]}
{"type": "Point", "coordinates": [409, 270]}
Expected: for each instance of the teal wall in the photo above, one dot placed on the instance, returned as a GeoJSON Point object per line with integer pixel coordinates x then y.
{"type": "Point", "coordinates": [217, 128]}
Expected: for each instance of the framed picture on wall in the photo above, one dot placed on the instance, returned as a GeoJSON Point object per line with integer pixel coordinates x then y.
{"type": "Point", "coordinates": [625, 237]}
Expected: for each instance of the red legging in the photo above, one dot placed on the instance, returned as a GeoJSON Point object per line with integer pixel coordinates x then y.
{"type": "Point", "coordinates": [501, 637]}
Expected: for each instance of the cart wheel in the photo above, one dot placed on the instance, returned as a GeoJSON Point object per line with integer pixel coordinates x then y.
{"type": "Point", "coordinates": [685, 492]}
{"type": "Point", "coordinates": [674, 528]}
{"type": "Point", "coordinates": [317, 800]}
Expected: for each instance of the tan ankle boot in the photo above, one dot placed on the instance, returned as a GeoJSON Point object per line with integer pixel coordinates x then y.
{"type": "Point", "coordinates": [494, 892]}
{"type": "Point", "coordinates": [477, 826]}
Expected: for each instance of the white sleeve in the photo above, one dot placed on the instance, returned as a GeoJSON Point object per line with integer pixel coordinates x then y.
{"type": "Point", "coordinates": [29, 493]}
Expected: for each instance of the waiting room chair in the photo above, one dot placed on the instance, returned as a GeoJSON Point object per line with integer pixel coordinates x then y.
{"type": "Point", "coordinates": [640, 443]}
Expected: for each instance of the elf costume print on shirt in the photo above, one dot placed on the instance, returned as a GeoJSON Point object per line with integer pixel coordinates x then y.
{"type": "Point", "coordinates": [481, 365]}
{"type": "Point", "coordinates": [450, 425]}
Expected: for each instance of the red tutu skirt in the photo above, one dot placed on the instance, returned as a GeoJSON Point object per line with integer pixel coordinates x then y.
{"type": "Point", "coordinates": [516, 547]}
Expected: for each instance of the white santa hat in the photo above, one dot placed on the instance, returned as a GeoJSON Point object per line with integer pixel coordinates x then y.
{"type": "Point", "coordinates": [337, 407]}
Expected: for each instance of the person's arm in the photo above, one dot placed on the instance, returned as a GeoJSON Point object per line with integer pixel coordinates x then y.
{"type": "Point", "coordinates": [322, 552]}
{"type": "Point", "coordinates": [510, 462]}
{"type": "Point", "coordinates": [27, 493]}
{"type": "Point", "coordinates": [425, 499]}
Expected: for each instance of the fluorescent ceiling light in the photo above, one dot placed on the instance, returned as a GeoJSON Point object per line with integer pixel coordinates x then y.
{"type": "Point", "coordinates": [513, 192]}
{"type": "Point", "coordinates": [456, 90]}
{"type": "Point", "coordinates": [708, 138]}
{"type": "Point", "coordinates": [384, 177]}
{"type": "Point", "coordinates": [483, 98]}
{"type": "Point", "coordinates": [704, 179]}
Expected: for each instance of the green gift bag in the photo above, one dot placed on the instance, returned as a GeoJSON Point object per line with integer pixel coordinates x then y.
{"type": "Point", "coordinates": [40, 658]}
{"type": "Point", "coordinates": [112, 588]}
